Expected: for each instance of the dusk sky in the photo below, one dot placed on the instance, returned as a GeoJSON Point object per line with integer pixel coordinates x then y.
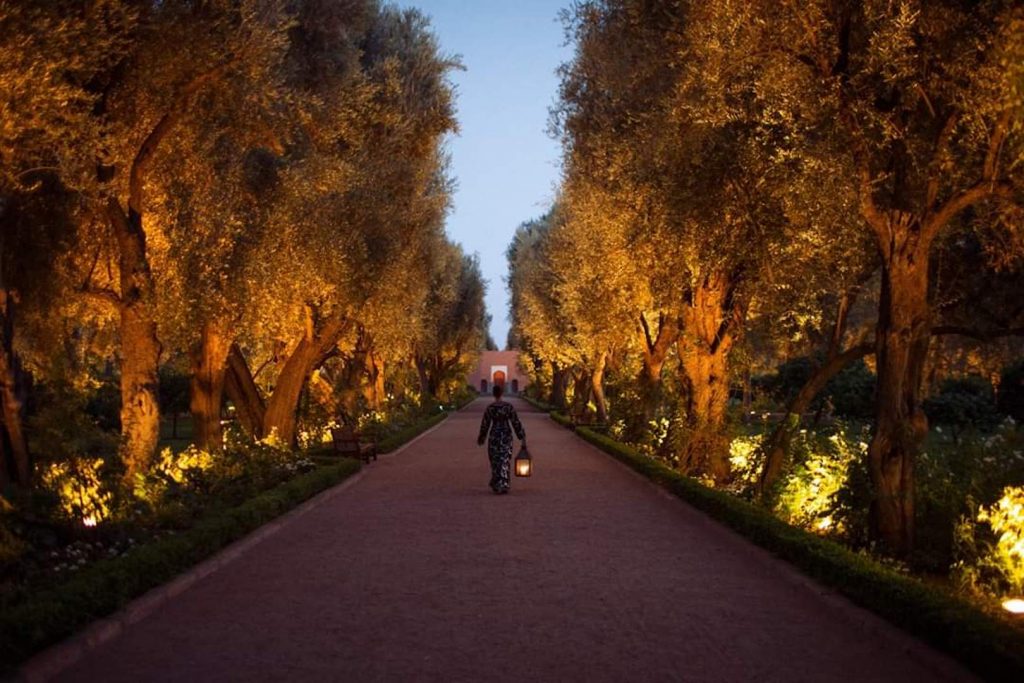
{"type": "Point", "coordinates": [505, 163]}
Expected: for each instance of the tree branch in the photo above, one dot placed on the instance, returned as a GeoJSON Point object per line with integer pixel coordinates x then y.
{"type": "Point", "coordinates": [961, 201]}
{"type": "Point", "coordinates": [647, 333]}
{"type": "Point", "coordinates": [941, 154]}
{"type": "Point", "coordinates": [995, 145]}
{"type": "Point", "coordinates": [868, 208]}
{"type": "Point", "coordinates": [986, 187]}
{"type": "Point", "coordinates": [144, 157]}
{"type": "Point", "coordinates": [102, 294]}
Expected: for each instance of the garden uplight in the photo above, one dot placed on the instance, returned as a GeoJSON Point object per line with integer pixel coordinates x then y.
{"type": "Point", "coordinates": [1015, 606]}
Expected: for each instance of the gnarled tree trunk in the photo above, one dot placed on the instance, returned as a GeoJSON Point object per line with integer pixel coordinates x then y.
{"type": "Point", "coordinates": [655, 351]}
{"type": "Point", "coordinates": [209, 362]}
{"type": "Point", "coordinates": [374, 391]}
{"type": "Point", "coordinates": [427, 374]}
{"type": "Point", "coordinates": [241, 390]}
{"type": "Point", "coordinates": [597, 387]}
{"type": "Point", "coordinates": [559, 381]}
{"type": "Point", "coordinates": [314, 347]}
{"type": "Point", "coordinates": [776, 448]}
{"type": "Point", "coordinates": [140, 348]}
{"type": "Point", "coordinates": [904, 332]}
{"type": "Point", "coordinates": [580, 392]}
{"type": "Point", "coordinates": [12, 431]}
{"type": "Point", "coordinates": [709, 322]}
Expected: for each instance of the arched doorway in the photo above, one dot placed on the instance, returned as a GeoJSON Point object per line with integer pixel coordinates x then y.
{"type": "Point", "coordinates": [483, 386]}
{"type": "Point", "coordinates": [515, 386]}
{"type": "Point", "coordinates": [499, 378]}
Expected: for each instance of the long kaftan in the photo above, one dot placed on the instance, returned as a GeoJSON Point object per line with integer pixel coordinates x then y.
{"type": "Point", "coordinates": [501, 419]}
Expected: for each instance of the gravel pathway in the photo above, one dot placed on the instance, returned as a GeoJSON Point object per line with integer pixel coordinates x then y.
{"type": "Point", "coordinates": [584, 573]}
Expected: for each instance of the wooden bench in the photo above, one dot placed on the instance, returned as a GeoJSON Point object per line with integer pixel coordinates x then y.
{"type": "Point", "coordinates": [350, 444]}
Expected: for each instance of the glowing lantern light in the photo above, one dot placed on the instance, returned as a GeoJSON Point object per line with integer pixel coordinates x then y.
{"type": "Point", "coordinates": [524, 465]}
{"type": "Point", "coordinates": [1016, 606]}
{"type": "Point", "coordinates": [89, 521]}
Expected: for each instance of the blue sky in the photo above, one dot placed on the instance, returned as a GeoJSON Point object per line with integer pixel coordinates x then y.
{"type": "Point", "coordinates": [505, 163]}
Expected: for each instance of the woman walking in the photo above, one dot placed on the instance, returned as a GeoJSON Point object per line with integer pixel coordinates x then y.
{"type": "Point", "coordinates": [501, 419]}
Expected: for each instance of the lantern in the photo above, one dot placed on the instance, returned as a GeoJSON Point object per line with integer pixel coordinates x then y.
{"type": "Point", "coordinates": [524, 466]}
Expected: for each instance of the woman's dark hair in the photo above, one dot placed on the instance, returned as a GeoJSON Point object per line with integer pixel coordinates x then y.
{"type": "Point", "coordinates": [498, 390]}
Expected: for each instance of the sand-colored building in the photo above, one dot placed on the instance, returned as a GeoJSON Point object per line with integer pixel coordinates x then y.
{"type": "Point", "coordinates": [499, 367]}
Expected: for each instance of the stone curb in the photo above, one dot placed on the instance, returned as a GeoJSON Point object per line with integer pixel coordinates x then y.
{"type": "Point", "coordinates": [52, 661]}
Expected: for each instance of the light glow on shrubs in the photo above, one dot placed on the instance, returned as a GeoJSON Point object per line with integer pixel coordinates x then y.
{"type": "Point", "coordinates": [1015, 605]}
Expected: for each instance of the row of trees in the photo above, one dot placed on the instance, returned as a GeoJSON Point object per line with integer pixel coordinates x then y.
{"type": "Point", "coordinates": [256, 186]}
{"type": "Point", "coordinates": [746, 179]}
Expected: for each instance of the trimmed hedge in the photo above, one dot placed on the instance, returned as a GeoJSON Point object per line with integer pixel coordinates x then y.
{"type": "Point", "coordinates": [104, 587]}
{"type": "Point", "coordinates": [990, 645]}
{"type": "Point", "coordinates": [539, 405]}
{"type": "Point", "coordinates": [399, 438]}
{"type": "Point", "coordinates": [566, 422]}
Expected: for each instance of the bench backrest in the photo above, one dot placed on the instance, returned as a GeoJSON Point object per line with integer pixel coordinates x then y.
{"type": "Point", "coordinates": [345, 439]}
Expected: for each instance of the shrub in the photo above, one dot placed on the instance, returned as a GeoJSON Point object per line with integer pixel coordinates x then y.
{"type": "Point", "coordinates": [807, 497]}
{"type": "Point", "coordinates": [104, 406]}
{"type": "Point", "coordinates": [990, 547]}
{"type": "Point", "coordinates": [80, 484]}
{"type": "Point", "coordinates": [952, 477]}
{"type": "Point", "coordinates": [11, 547]}
{"type": "Point", "coordinates": [61, 429]}
{"type": "Point", "coordinates": [1006, 519]}
{"type": "Point", "coordinates": [852, 391]}
{"type": "Point", "coordinates": [788, 378]}
{"type": "Point", "coordinates": [963, 404]}
{"type": "Point", "coordinates": [1011, 391]}
{"type": "Point", "coordinates": [746, 461]}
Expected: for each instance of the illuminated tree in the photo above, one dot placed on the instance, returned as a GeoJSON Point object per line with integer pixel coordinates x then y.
{"type": "Point", "coordinates": [455, 320]}
{"type": "Point", "coordinates": [49, 53]}
{"type": "Point", "coordinates": [702, 118]}
{"type": "Point", "coordinates": [156, 91]}
{"type": "Point", "coordinates": [696, 185]}
{"type": "Point", "coordinates": [540, 330]}
{"type": "Point", "coordinates": [356, 206]}
{"type": "Point", "coordinates": [925, 101]}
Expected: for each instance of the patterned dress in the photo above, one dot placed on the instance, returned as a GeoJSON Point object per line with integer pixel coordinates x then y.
{"type": "Point", "coordinates": [500, 418]}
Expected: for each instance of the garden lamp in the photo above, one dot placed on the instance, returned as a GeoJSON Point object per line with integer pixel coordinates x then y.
{"type": "Point", "coordinates": [524, 465]}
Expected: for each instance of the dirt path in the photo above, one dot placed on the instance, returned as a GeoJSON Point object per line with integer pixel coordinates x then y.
{"type": "Point", "coordinates": [583, 573]}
